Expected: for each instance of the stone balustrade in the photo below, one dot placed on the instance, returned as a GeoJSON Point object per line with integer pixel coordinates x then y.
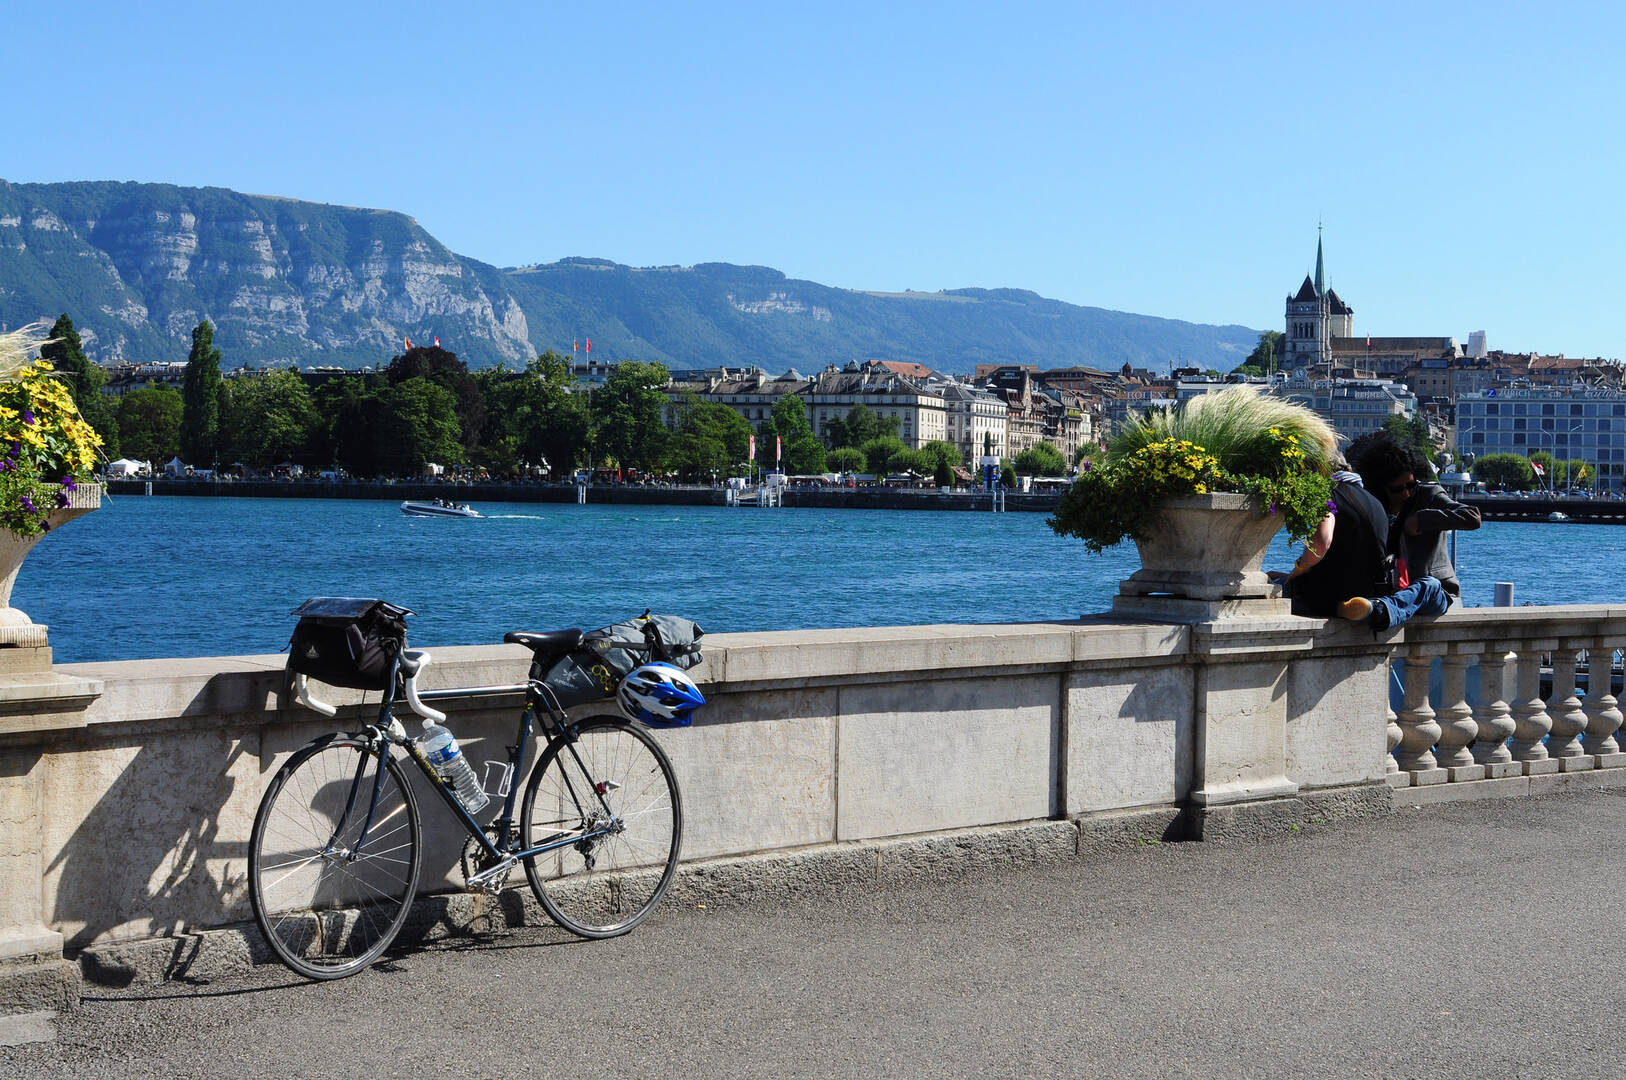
{"type": "Point", "coordinates": [1490, 699]}
{"type": "Point", "coordinates": [835, 757]}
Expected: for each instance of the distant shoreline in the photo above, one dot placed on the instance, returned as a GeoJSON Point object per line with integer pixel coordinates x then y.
{"type": "Point", "coordinates": [1580, 511]}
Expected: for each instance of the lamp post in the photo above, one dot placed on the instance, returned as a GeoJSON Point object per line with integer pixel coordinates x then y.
{"type": "Point", "coordinates": [1553, 435]}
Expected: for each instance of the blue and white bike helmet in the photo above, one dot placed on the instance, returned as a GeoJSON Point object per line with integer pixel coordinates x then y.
{"type": "Point", "coordinates": [659, 695]}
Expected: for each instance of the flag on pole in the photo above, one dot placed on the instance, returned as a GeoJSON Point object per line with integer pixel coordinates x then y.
{"type": "Point", "coordinates": [575, 345]}
{"type": "Point", "coordinates": [1536, 465]}
{"type": "Point", "coordinates": [589, 346]}
{"type": "Point", "coordinates": [778, 449]}
{"type": "Point", "coordinates": [753, 448]}
{"type": "Point", "coordinates": [408, 341]}
{"type": "Point", "coordinates": [437, 343]}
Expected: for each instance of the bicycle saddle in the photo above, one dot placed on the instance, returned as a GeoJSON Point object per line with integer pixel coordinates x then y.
{"type": "Point", "coordinates": [552, 642]}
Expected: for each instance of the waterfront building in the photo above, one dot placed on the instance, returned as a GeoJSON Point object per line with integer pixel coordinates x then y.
{"type": "Point", "coordinates": [751, 393]}
{"type": "Point", "coordinates": [974, 417]}
{"type": "Point", "coordinates": [1353, 407]}
{"type": "Point", "coordinates": [1572, 425]}
{"type": "Point", "coordinates": [917, 403]}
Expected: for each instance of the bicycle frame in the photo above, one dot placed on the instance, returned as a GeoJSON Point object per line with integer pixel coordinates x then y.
{"type": "Point", "coordinates": [387, 730]}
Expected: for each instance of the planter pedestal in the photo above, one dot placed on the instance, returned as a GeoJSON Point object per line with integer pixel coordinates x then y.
{"type": "Point", "coordinates": [1203, 562]}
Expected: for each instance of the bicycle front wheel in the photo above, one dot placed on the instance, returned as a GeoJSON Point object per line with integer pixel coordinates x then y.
{"type": "Point", "coordinates": [612, 788]}
{"type": "Point", "coordinates": [327, 899]}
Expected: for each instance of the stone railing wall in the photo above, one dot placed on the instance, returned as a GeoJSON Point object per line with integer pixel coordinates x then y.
{"type": "Point", "coordinates": [126, 812]}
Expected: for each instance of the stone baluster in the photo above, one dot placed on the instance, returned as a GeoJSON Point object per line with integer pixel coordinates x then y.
{"type": "Point", "coordinates": [1530, 720]}
{"type": "Point", "coordinates": [1603, 715]}
{"type": "Point", "coordinates": [1456, 716]}
{"type": "Point", "coordinates": [1418, 729]}
{"type": "Point", "coordinates": [1569, 719]}
{"type": "Point", "coordinates": [1495, 716]}
{"type": "Point", "coordinates": [1392, 772]}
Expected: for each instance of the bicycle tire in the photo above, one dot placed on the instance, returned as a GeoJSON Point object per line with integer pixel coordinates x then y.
{"type": "Point", "coordinates": [323, 914]}
{"type": "Point", "coordinates": [603, 887]}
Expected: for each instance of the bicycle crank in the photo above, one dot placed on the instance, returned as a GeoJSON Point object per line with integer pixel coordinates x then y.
{"type": "Point", "coordinates": [481, 871]}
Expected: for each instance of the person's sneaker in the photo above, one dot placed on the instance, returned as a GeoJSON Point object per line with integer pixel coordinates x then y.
{"type": "Point", "coordinates": [1356, 609]}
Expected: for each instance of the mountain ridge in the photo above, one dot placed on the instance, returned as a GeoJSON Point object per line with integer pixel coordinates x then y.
{"type": "Point", "coordinates": [286, 280]}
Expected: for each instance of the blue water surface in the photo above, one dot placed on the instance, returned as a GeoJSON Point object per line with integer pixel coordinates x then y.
{"type": "Point", "coordinates": [178, 576]}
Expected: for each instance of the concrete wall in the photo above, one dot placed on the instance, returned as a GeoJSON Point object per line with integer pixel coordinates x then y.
{"type": "Point", "coordinates": [130, 818]}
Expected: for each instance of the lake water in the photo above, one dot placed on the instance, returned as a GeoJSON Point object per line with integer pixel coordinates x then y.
{"type": "Point", "coordinates": [175, 576]}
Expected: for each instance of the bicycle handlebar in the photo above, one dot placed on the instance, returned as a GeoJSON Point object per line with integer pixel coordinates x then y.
{"type": "Point", "coordinates": [412, 663]}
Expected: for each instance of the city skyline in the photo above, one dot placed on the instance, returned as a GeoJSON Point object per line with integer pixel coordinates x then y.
{"type": "Point", "coordinates": [1175, 163]}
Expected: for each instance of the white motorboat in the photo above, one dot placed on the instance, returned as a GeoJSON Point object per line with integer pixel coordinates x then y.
{"type": "Point", "coordinates": [439, 508]}
{"type": "Point", "coordinates": [1558, 515]}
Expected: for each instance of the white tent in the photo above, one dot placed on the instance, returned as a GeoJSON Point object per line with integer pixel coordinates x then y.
{"type": "Point", "coordinates": [125, 467]}
{"type": "Point", "coordinates": [175, 467]}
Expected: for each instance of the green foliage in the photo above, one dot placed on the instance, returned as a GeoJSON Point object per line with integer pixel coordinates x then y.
{"type": "Point", "coordinates": [939, 452]}
{"type": "Point", "coordinates": [804, 454]}
{"type": "Point", "coordinates": [1234, 440]}
{"type": "Point", "coordinates": [200, 398]}
{"type": "Point", "coordinates": [269, 419]}
{"type": "Point", "coordinates": [1265, 355]}
{"type": "Point", "coordinates": [66, 353]}
{"type": "Point", "coordinates": [51, 448]}
{"type": "Point", "coordinates": [884, 454]}
{"type": "Point", "coordinates": [943, 474]}
{"type": "Point", "coordinates": [534, 416]}
{"type": "Point", "coordinates": [710, 439]}
{"type": "Point", "coordinates": [846, 459]}
{"type": "Point", "coordinates": [1510, 472]}
{"type": "Point", "coordinates": [628, 412]}
{"type": "Point", "coordinates": [150, 424]}
{"type": "Point", "coordinates": [861, 425]}
{"type": "Point", "coordinates": [1413, 429]}
{"type": "Point", "coordinates": [1042, 459]}
{"type": "Point", "coordinates": [1007, 474]}
{"type": "Point", "coordinates": [445, 370]}
{"type": "Point", "coordinates": [420, 427]}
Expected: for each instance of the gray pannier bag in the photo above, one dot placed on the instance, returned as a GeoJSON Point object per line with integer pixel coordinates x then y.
{"type": "Point", "coordinates": [605, 656]}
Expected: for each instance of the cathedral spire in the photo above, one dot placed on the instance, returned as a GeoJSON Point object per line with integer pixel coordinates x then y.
{"type": "Point", "coordinates": [1320, 278]}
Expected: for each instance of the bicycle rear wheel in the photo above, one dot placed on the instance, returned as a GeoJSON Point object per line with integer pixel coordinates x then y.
{"type": "Point", "coordinates": [326, 909]}
{"type": "Point", "coordinates": [613, 777]}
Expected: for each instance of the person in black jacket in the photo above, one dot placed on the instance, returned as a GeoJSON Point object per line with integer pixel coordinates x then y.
{"type": "Point", "coordinates": [1346, 556]}
{"type": "Point", "coordinates": [1420, 513]}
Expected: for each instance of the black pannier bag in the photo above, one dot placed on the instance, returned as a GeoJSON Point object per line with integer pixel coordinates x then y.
{"type": "Point", "coordinates": [605, 656]}
{"type": "Point", "coordinates": [347, 641]}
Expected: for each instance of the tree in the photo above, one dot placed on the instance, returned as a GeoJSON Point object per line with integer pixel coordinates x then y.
{"type": "Point", "coordinates": [270, 419]}
{"type": "Point", "coordinates": [535, 416]}
{"type": "Point", "coordinates": [200, 398]}
{"type": "Point", "coordinates": [1510, 472]}
{"type": "Point", "coordinates": [845, 459]}
{"type": "Point", "coordinates": [628, 411]}
{"type": "Point", "coordinates": [859, 426]}
{"type": "Point", "coordinates": [1264, 356]}
{"type": "Point", "coordinates": [943, 474]}
{"type": "Point", "coordinates": [942, 453]}
{"type": "Point", "coordinates": [1415, 430]}
{"type": "Point", "coordinates": [150, 423]}
{"type": "Point", "coordinates": [422, 427]}
{"type": "Point", "coordinates": [710, 439]}
{"type": "Point", "coordinates": [883, 453]}
{"type": "Point", "coordinates": [85, 382]}
{"type": "Point", "coordinates": [352, 431]}
{"type": "Point", "coordinates": [1007, 473]}
{"type": "Point", "coordinates": [1041, 459]}
{"type": "Point", "coordinates": [444, 369]}
{"type": "Point", "coordinates": [804, 455]}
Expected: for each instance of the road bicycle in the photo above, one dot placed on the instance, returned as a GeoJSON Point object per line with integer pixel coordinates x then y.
{"type": "Point", "coordinates": [337, 844]}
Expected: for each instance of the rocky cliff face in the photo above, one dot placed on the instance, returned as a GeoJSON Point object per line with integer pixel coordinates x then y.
{"type": "Point", "coordinates": [138, 265]}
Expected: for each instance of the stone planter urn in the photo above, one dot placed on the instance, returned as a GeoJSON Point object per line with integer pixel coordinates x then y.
{"type": "Point", "coordinates": [1206, 551]}
{"type": "Point", "coordinates": [16, 628]}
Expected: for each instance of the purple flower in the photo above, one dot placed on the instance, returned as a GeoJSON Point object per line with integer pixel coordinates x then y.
{"type": "Point", "coordinates": [67, 482]}
{"type": "Point", "coordinates": [28, 504]}
{"type": "Point", "coordinates": [1332, 507]}
{"type": "Point", "coordinates": [61, 498]}
{"type": "Point", "coordinates": [28, 416]}
{"type": "Point", "coordinates": [16, 448]}
{"type": "Point", "coordinates": [1088, 466]}
{"type": "Point", "coordinates": [1272, 508]}
{"type": "Point", "coordinates": [5, 464]}
{"type": "Point", "coordinates": [45, 524]}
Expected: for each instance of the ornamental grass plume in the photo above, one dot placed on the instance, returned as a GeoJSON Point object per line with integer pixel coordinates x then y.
{"type": "Point", "coordinates": [46, 447]}
{"type": "Point", "coordinates": [1232, 440]}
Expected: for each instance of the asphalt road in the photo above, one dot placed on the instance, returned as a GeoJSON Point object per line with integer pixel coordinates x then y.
{"type": "Point", "coordinates": [1472, 940]}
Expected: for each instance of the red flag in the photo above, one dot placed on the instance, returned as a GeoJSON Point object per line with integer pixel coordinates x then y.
{"type": "Point", "coordinates": [589, 344]}
{"type": "Point", "coordinates": [753, 454]}
{"type": "Point", "coordinates": [437, 343]}
{"type": "Point", "coordinates": [408, 341]}
{"type": "Point", "coordinates": [1369, 339]}
{"type": "Point", "coordinates": [575, 345]}
{"type": "Point", "coordinates": [778, 449]}
{"type": "Point", "coordinates": [1536, 465]}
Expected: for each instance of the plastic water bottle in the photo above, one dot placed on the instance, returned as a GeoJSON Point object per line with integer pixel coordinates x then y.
{"type": "Point", "coordinates": [443, 753]}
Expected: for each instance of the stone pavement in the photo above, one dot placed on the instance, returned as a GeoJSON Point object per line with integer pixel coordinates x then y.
{"type": "Point", "coordinates": [1463, 940]}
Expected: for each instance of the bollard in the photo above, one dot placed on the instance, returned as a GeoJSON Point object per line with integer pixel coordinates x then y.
{"type": "Point", "coordinates": [1504, 594]}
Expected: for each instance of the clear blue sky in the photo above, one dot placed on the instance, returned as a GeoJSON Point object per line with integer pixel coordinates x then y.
{"type": "Point", "coordinates": [1167, 159]}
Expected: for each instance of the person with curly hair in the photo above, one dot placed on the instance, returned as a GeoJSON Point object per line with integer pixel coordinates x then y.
{"type": "Point", "coordinates": [1420, 514]}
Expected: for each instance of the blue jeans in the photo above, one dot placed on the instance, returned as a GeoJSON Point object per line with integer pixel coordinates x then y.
{"type": "Point", "coordinates": [1425, 596]}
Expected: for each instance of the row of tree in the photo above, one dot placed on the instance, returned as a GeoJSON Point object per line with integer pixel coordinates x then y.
{"type": "Point", "coordinates": [426, 406]}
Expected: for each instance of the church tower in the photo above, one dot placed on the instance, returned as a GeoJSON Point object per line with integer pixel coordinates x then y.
{"type": "Point", "coordinates": [1315, 315]}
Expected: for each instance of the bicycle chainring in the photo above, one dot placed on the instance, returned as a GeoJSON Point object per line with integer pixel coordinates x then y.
{"type": "Point", "coordinates": [476, 859]}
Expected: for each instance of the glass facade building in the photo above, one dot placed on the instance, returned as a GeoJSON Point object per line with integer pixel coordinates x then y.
{"type": "Point", "coordinates": [1571, 425]}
